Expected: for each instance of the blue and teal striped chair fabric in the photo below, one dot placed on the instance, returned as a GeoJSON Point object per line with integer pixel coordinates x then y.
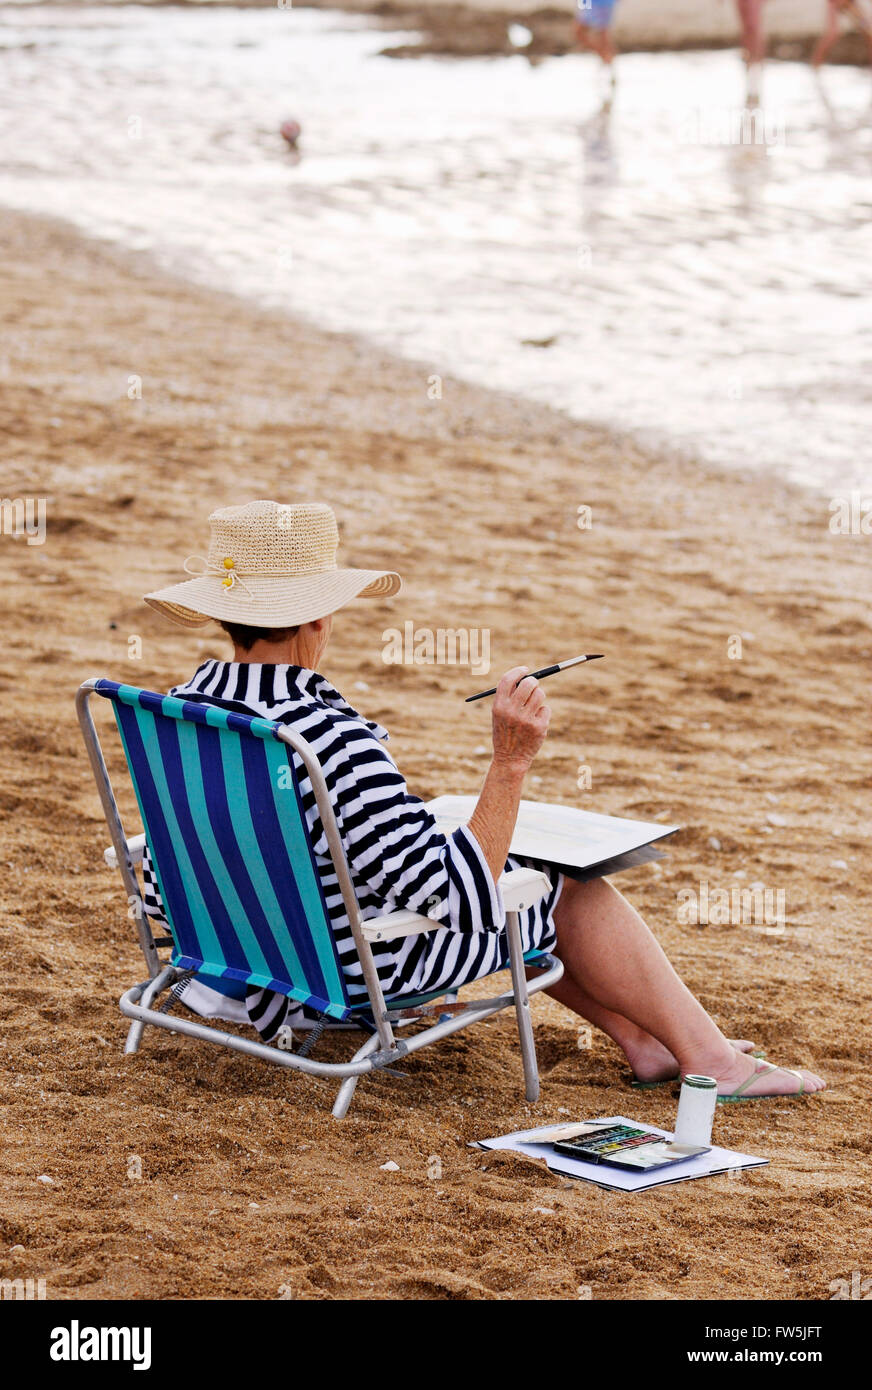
{"type": "Point", "coordinates": [224, 821]}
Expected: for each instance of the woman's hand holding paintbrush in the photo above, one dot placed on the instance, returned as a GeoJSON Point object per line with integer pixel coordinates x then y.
{"type": "Point", "coordinates": [520, 719]}
{"type": "Point", "coordinates": [520, 723]}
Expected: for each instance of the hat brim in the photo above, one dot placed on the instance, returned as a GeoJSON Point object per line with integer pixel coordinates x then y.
{"type": "Point", "coordinates": [260, 600]}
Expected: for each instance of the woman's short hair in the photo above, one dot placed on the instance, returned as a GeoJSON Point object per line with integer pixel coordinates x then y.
{"type": "Point", "coordinates": [245, 637]}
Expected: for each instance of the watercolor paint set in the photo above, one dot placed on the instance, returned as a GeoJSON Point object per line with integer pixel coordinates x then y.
{"type": "Point", "coordinates": [624, 1146]}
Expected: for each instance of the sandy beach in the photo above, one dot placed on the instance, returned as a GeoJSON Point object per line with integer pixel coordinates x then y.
{"type": "Point", "coordinates": [248, 1189]}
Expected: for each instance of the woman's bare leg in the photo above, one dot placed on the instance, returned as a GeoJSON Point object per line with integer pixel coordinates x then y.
{"type": "Point", "coordinates": [753, 40]}
{"type": "Point", "coordinates": [827, 38]}
{"type": "Point", "coordinates": [592, 40]}
{"type": "Point", "coordinates": [831, 29]}
{"type": "Point", "coordinates": [616, 967]}
{"type": "Point", "coordinates": [649, 1059]}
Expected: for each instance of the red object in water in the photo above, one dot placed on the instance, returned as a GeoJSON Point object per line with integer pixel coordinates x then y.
{"type": "Point", "coordinates": [291, 131]}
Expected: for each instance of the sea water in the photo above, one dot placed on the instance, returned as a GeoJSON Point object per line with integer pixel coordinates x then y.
{"type": "Point", "coordinates": [668, 264]}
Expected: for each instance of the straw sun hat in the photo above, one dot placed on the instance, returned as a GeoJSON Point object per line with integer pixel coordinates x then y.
{"type": "Point", "coordinates": [269, 566]}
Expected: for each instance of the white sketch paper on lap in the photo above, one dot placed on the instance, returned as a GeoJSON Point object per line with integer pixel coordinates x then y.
{"type": "Point", "coordinates": [565, 836]}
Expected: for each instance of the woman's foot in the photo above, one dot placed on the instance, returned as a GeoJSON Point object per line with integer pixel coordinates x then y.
{"type": "Point", "coordinates": [750, 1077]}
{"type": "Point", "coordinates": [651, 1061]}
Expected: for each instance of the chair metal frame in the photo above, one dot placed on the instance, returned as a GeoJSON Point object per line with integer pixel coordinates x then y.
{"type": "Point", "coordinates": [520, 889]}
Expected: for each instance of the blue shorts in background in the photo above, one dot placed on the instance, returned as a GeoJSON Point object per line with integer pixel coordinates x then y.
{"type": "Point", "coordinates": [596, 14]}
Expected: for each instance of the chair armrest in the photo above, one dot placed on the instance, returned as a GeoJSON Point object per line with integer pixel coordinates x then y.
{"type": "Point", "coordinates": [135, 847]}
{"type": "Point", "coordinates": [399, 923]}
{"type": "Point", "coordinates": [522, 888]}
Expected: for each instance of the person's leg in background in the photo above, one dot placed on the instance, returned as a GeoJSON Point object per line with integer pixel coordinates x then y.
{"type": "Point", "coordinates": [830, 33]}
{"type": "Point", "coordinates": [831, 28]}
{"type": "Point", "coordinates": [591, 28]}
{"type": "Point", "coordinates": [753, 42]}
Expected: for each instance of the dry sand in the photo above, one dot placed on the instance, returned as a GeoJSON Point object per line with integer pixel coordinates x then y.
{"type": "Point", "coordinates": [248, 1188]}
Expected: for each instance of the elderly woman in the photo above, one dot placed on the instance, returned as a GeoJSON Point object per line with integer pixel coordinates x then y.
{"type": "Point", "coordinates": [272, 582]}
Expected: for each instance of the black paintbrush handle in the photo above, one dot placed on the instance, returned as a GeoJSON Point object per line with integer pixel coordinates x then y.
{"type": "Point", "coordinates": [546, 671]}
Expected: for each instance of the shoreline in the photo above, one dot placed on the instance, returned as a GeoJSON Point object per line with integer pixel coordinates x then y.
{"type": "Point", "coordinates": [757, 759]}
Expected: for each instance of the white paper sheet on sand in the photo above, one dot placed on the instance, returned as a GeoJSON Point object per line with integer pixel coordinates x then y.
{"type": "Point", "coordinates": [559, 834]}
{"type": "Point", "coordinates": [715, 1161]}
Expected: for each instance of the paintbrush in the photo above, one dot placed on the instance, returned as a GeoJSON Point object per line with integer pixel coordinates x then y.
{"type": "Point", "coordinates": [546, 671]}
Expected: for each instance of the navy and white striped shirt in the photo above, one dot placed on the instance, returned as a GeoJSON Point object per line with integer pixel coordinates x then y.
{"type": "Point", "coordinates": [396, 855]}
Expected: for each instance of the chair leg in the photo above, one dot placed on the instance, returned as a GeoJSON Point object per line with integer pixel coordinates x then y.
{"type": "Point", "coordinates": [346, 1090]}
{"type": "Point", "coordinates": [134, 1036]}
{"type": "Point", "coordinates": [154, 987]}
{"type": "Point", "coordinates": [450, 998]}
{"type": "Point", "coordinates": [522, 1006]}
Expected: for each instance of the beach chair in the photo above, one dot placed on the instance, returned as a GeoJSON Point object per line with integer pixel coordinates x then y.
{"type": "Point", "coordinates": [221, 809]}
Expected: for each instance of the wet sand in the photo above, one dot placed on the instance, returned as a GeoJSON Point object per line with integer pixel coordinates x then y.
{"type": "Point", "coordinates": [478, 28]}
{"type": "Point", "coordinates": [248, 1189]}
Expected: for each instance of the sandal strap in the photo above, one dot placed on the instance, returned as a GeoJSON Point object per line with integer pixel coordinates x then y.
{"type": "Point", "coordinates": [762, 1068]}
{"type": "Point", "coordinates": [799, 1076]}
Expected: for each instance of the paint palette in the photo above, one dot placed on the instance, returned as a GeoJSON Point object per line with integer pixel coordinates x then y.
{"type": "Point", "coordinates": [624, 1146]}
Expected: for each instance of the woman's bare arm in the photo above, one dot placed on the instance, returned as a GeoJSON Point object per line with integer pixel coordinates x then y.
{"type": "Point", "coordinates": [520, 723]}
